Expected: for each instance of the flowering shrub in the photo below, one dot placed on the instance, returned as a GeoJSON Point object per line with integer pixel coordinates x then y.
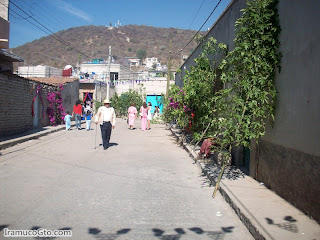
{"type": "Point", "coordinates": [193, 105]}
{"type": "Point", "coordinates": [55, 110]}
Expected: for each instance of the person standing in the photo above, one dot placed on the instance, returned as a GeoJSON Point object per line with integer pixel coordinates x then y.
{"type": "Point", "coordinates": [149, 115]}
{"type": "Point", "coordinates": [87, 117]}
{"type": "Point", "coordinates": [144, 115]}
{"type": "Point", "coordinates": [156, 112]}
{"type": "Point", "coordinates": [132, 115]}
{"type": "Point", "coordinates": [106, 117]}
{"type": "Point", "coordinates": [77, 111]}
{"type": "Point", "coordinates": [67, 120]}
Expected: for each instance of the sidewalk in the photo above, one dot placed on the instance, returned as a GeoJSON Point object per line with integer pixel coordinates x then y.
{"type": "Point", "coordinates": [10, 141]}
{"type": "Point", "coordinates": [263, 212]}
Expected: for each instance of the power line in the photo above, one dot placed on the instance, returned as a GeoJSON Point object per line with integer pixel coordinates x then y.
{"type": "Point", "coordinates": [53, 34]}
{"type": "Point", "coordinates": [196, 15]}
{"type": "Point", "coordinates": [201, 26]}
{"type": "Point", "coordinates": [57, 37]}
{"type": "Point", "coordinates": [45, 15]}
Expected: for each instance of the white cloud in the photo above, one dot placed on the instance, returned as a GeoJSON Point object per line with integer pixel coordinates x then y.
{"type": "Point", "coordinates": [72, 10]}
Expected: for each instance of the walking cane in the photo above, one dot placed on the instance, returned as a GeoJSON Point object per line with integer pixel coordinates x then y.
{"type": "Point", "coordinates": [95, 138]}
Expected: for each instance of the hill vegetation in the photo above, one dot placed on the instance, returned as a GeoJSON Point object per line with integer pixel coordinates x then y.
{"type": "Point", "coordinates": [94, 41]}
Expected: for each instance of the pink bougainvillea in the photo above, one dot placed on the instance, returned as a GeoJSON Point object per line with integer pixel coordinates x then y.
{"type": "Point", "coordinates": [55, 110]}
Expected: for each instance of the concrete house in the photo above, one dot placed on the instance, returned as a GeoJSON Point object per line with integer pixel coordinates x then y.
{"type": "Point", "coordinates": [39, 71]}
{"type": "Point", "coordinates": [150, 62]}
{"type": "Point", "coordinates": [287, 159]}
{"type": "Point", "coordinates": [99, 78]}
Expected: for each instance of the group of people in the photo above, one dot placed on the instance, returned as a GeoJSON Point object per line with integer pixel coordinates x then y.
{"type": "Point", "coordinates": [145, 113]}
{"type": "Point", "coordinates": [106, 117]}
{"type": "Point", "coordinates": [78, 112]}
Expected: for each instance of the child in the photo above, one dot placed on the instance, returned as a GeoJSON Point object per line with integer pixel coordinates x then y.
{"type": "Point", "coordinates": [67, 120]}
{"type": "Point", "coordinates": [88, 116]}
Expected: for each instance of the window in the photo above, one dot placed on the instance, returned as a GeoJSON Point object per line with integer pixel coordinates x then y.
{"type": "Point", "coordinates": [114, 76]}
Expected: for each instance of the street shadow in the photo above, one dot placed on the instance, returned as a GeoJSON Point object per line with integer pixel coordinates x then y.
{"type": "Point", "coordinates": [216, 235]}
{"type": "Point", "coordinates": [289, 224]}
{"type": "Point", "coordinates": [110, 144]}
{"type": "Point", "coordinates": [48, 238]}
{"type": "Point", "coordinates": [22, 134]}
{"type": "Point", "coordinates": [113, 144]}
{"type": "Point", "coordinates": [3, 227]}
{"type": "Point", "coordinates": [98, 234]}
{"type": "Point", "coordinates": [230, 172]}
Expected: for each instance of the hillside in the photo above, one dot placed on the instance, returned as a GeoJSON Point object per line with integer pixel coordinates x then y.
{"type": "Point", "coordinates": [94, 41]}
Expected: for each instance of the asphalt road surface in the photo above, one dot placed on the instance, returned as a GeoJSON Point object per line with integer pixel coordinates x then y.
{"type": "Point", "coordinates": [143, 187]}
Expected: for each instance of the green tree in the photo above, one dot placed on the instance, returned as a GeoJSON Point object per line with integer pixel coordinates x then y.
{"type": "Point", "coordinates": [249, 72]}
{"type": "Point", "coordinates": [141, 54]}
{"type": "Point", "coordinates": [123, 102]}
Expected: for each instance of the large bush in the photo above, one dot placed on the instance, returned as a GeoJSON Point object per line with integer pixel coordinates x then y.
{"type": "Point", "coordinates": [123, 102]}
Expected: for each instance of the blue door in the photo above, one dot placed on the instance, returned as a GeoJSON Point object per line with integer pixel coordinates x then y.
{"type": "Point", "coordinates": [155, 100]}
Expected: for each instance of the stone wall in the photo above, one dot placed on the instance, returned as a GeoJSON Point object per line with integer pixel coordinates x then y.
{"type": "Point", "coordinates": [16, 101]}
{"type": "Point", "coordinates": [70, 95]}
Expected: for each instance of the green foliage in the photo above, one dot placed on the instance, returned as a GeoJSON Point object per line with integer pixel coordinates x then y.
{"type": "Point", "coordinates": [97, 104]}
{"type": "Point", "coordinates": [170, 111]}
{"type": "Point", "coordinates": [141, 54]}
{"type": "Point", "coordinates": [123, 102]}
{"type": "Point", "coordinates": [192, 106]}
{"type": "Point", "coordinates": [129, 49]}
{"type": "Point", "coordinates": [236, 113]}
{"type": "Point", "coordinates": [200, 85]}
{"type": "Point", "coordinates": [249, 72]}
{"type": "Point", "coordinates": [198, 38]}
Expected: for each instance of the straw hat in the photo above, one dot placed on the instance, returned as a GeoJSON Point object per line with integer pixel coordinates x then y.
{"type": "Point", "coordinates": [106, 101]}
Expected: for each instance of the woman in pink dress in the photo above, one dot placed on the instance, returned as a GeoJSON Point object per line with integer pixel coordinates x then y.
{"type": "Point", "coordinates": [132, 115]}
{"type": "Point", "coordinates": [144, 115]}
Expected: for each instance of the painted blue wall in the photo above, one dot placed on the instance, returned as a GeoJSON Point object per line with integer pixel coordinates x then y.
{"type": "Point", "coordinates": [153, 99]}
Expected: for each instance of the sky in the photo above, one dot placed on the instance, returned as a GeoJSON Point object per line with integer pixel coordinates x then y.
{"type": "Point", "coordinates": [28, 17]}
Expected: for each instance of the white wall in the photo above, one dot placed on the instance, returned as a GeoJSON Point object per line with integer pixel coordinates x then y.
{"type": "Point", "coordinates": [39, 71]}
{"type": "Point", "coordinates": [153, 86]}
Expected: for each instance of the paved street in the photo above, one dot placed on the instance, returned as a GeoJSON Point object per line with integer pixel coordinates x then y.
{"type": "Point", "coordinates": [143, 187]}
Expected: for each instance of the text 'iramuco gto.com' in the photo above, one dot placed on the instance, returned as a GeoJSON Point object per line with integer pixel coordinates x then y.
{"type": "Point", "coordinates": [41, 232]}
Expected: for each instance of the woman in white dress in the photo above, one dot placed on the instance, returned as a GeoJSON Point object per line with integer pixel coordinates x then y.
{"type": "Point", "coordinates": [149, 117]}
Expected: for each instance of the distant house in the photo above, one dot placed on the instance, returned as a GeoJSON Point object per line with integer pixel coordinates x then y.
{"type": "Point", "coordinates": [102, 74]}
{"type": "Point", "coordinates": [134, 62]}
{"type": "Point", "coordinates": [39, 71]}
{"type": "Point", "coordinates": [150, 62]}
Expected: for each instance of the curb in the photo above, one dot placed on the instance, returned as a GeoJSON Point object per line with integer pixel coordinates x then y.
{"type": "Point", "coordinates": [256, 234]}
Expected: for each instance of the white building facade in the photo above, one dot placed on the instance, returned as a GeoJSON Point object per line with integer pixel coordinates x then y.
{"type": "Point", "coordinates": [39, 71]}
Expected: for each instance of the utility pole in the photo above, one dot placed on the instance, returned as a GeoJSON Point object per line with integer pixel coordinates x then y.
{"type": "Point", "coordinates": [108, 74]}
{"type": "Point", "coordinates": [181, 50]}
{"type": "Point", "coordinates": [169, 73]}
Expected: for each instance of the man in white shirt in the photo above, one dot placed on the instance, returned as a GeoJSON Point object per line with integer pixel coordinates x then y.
{"type": "Point", "coordinates": [106, 117]}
